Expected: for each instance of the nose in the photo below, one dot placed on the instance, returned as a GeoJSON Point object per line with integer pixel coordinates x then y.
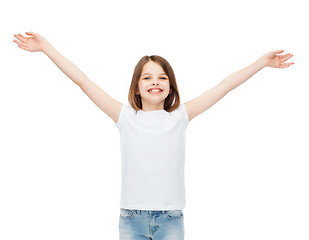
{"type": "Point", "coordinates": [155, 81]}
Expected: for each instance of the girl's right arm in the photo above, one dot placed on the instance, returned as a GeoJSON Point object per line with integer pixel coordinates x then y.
{"type": "Point", "coordinates": [105, 102]}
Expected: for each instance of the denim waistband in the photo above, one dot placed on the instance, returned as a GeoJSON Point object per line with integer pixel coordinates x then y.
{"type": "Point", "coordinates": [151, 212]}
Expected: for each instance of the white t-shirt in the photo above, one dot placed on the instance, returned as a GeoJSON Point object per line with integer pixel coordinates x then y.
{"type": "Point", "coordinates": [152, 148]}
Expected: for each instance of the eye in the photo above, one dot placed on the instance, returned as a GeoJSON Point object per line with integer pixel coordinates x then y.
{"type": "Point", "coordinates": [161, 78]}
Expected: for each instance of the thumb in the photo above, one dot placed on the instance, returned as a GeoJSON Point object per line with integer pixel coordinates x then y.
{"type": "Point", "coordinates": [31, 33]}
{"type": "Point", "coordinates": [278, 51]}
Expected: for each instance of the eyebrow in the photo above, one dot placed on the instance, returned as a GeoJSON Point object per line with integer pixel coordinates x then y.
{"type": "Point", "coordinates": [159, 74]}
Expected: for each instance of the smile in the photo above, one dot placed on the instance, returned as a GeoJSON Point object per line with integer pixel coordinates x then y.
{"type": "Point", "coordinates": [155, 91]}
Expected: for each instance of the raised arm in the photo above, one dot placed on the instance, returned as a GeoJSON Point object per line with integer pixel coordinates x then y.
{"type": "Point", "coordinates": [37, 43]}
{"type": "Point", "coordinates": [213, 95]}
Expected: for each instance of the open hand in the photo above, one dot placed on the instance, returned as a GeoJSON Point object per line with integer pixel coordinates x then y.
{"type": "Point", "coordinates": [271, 59]}
{"type": "Point", "coordinates": [35, 43]}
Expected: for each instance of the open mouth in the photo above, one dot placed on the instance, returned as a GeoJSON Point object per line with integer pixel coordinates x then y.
{"type": "Point", "coordinates": [155, 91]}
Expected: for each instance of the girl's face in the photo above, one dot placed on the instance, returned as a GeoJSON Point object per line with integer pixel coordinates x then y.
{"type": "Point", "coordinates": [153, 76]}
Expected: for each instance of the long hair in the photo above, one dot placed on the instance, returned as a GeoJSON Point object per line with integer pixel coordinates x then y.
{"type": "Point", "coordinates": [172, 101]}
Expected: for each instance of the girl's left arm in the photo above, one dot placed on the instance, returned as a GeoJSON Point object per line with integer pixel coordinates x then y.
{"type": "Point", "coordinates": [213, 95]}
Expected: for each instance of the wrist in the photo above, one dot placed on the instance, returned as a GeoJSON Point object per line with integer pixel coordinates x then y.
{"type": "Point", "coordinates": [46, 46]}
{"type": "Point", "coordinates": [261, 62]}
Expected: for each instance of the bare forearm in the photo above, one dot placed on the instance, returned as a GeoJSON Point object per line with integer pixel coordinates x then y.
{"type": "Point", "coordinates": [237, 78]}
{"type": "Point", "coordinates": [64, 64]}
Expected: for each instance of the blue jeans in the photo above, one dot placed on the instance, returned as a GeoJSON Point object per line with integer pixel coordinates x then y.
{"type": "Point", "coordinates": [149, 224]}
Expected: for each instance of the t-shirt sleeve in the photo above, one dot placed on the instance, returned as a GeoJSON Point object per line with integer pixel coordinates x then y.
{"type": "Point", "coordinates": [184, 113]}
{"type": "Point", "coordinates": [123, 111]}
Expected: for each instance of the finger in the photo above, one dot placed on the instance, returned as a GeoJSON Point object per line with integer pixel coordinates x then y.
{"type": "Point", "coordinates": [288, 54]}
{"type": "Point", "coordinates": [285, 57]}
{"type": "Point", "coordinates": [17, 36]}
{"type": "Point", "coordinates": [20, 37]}
{"type": "Point", "coordinates": [31, 33]}
{"type": "Point", "coordinates": [285, 65]}
{"type": "Point", "coordinates": [16, 41]}
{"type": "Point", "coordinates": [278, 51]}
{"type": "Point", "coordinates": [20, 43]}
{"type": "Point", "coordinates": [22, 47]}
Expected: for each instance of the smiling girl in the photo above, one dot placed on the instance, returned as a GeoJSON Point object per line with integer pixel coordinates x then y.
{"type": "Point", "coordinates": [152, 135]}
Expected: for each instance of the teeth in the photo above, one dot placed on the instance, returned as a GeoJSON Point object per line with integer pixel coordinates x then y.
{"type": "Point", "coordinates": [155, 90]}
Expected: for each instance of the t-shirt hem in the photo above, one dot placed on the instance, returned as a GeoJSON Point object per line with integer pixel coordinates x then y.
{"type": "Point", "coordinates": [156, 208]}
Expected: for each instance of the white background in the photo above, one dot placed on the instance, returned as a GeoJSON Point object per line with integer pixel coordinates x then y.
{"type": "Point", "coordinates": [246, 157]}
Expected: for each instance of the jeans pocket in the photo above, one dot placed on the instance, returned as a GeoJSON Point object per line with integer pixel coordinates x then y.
{"type": "Point", "coordinates": [126, 213]}
{"type": "Point", "coordinates": [174, 214]}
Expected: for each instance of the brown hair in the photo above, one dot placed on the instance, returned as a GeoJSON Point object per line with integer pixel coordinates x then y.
{"type": "Point", "coordinates": [172, 101]}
